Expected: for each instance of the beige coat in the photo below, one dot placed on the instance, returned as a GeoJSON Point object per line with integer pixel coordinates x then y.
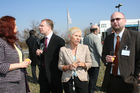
{"type": "Point", "coordinates": [66, 58]}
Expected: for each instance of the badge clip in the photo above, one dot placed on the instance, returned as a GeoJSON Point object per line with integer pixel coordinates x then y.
{"type": "Point", "coordinates": [126, 47]}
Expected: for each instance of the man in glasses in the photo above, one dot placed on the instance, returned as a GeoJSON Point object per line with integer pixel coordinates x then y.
{"type": "Point", "coordinates": [123, 66]}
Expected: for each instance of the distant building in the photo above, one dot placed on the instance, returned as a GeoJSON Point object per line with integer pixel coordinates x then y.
{"type": "Point", "coordinates": [105, 26]}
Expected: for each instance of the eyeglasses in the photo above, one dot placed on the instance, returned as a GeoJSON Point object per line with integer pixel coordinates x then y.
{"type": "Point", "coordinates": [117, 19]}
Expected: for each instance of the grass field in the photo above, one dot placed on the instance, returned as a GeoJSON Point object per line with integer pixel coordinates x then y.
{"type": "Point", "coordinates": [34, 87]}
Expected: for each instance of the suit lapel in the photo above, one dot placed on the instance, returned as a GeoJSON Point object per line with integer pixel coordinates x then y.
{"type": "Point", "coordinates": [112, 42]}
{"type": "Point", "coordinates": [124, 41]}
{"type": "Point", "coordinates": [69, 52]}
{"type": "Point", "coordinates": [78, 52]}
{"type": "Point", "coordinates": [51, 42]}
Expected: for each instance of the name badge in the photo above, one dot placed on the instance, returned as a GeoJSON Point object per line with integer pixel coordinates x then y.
{"type": "Point", "coordinates": [125, 52]}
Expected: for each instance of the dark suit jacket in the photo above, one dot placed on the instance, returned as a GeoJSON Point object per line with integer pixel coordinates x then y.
{"type": "Point", "coordinates": [50, 59]}
{"type": "Point", "coordinates": [129, 65]}
{"type": "Point", "coordinates": [32, 43]}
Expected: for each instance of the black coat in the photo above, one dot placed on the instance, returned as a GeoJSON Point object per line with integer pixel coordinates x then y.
{"type": "Point", "coordinates": [32, 43]}
{"type": "Point", "coordinates": [50, 59]}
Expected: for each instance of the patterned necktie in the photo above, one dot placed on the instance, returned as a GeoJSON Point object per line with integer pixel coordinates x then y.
{"type": "Point", "coordinates": [46, 40]}
{"type": "Point", "coordinates": [115, 66]}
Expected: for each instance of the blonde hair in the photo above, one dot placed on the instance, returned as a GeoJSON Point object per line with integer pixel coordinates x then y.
{"type": "Point", "coordinates": [72, 30]}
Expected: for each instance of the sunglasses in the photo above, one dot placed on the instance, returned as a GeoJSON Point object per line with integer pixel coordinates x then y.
{"type": "Point", "coordinates": [117, 19]}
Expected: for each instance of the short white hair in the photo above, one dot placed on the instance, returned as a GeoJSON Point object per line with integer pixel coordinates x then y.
{"type": "Point", "coordinates": [73, 30]}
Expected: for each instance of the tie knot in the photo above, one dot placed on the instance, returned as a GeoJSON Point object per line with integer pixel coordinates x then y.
{"type": "Point", "coordinates": [118, 37]}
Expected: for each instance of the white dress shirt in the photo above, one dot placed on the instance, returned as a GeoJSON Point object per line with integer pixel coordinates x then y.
{"type": "Point", "coordinates": [49, 37]}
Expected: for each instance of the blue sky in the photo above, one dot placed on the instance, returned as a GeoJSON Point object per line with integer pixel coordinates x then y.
{"type": "Point", "coordinates": [82, 12]}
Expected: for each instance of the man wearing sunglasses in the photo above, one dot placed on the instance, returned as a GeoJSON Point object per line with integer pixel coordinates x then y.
{"type": "Point", "coordinates": [123, 67]}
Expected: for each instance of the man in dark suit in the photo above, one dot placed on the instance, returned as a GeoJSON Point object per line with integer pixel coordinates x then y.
{"type": "Point", "coordinates": [126, 47]}
{"type": "Point", "coordinates": [32, 43]}
{"type": "Point", "coordinates": [49, 75]}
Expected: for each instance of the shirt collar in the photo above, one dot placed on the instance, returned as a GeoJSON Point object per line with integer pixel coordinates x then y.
{"type": "Point", "coordinates": [50, 35]}
{"type": "Point", "coordinates": [120, 34]}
